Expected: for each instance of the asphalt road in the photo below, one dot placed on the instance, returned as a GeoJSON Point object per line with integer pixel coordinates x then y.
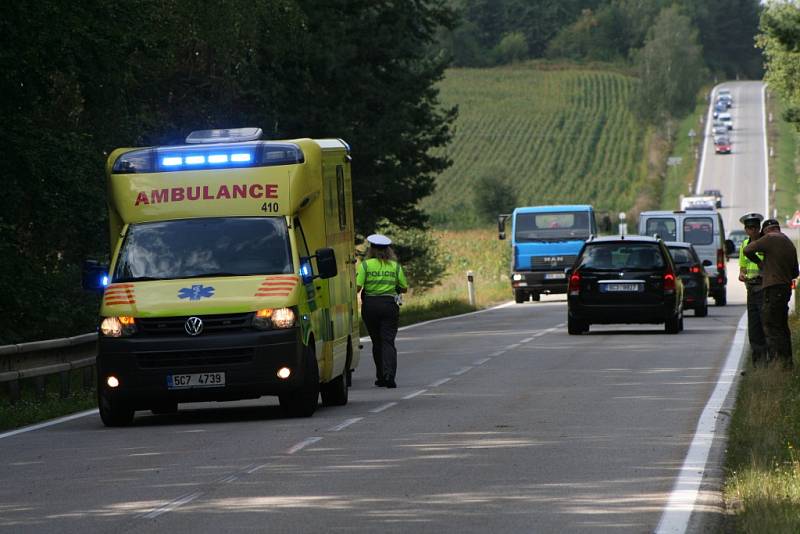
{"type": "Point", "coordinates": [501, 422]}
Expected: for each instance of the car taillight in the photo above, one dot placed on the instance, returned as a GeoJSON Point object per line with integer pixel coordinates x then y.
{"type": "Point", "coordinates": [694, 269]}
{"type": "Point", "coordinates": [720, 259]}
{"type": "Point", "coordinates": [669, 282]}
{"type": "Point", "coordinates": [574, 284]}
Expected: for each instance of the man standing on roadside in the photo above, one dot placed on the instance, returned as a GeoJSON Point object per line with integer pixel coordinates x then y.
{"type": "Point", "coordinates": [778, 271]}
{"type": "Point", "coordinates": [750, 274]}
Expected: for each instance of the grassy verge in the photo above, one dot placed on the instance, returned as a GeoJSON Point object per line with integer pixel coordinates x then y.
{"type": "Point", "coordinates": [33, 408]}
{"type": "Point", "coordinates": [783, 164]}
{"type": "Point", "coordinates": [762, 488]}
{"type": "Point", "coordinates": [680, 178]}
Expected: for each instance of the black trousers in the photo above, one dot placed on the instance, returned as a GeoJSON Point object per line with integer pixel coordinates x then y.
{"type": "Point", "coordinates": [381, 315]}
{"type": "Point", "coordinates": [755, 328]}
{"type": "Point", "coordinates": [775, 318]}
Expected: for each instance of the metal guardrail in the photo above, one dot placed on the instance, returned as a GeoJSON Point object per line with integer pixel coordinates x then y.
{"type": "Point", "coordinates": [38, 359]}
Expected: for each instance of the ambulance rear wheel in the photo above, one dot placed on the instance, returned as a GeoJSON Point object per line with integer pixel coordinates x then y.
{"type": "Point", "coordinates": [112, 411]}
{"type": "Point", "coordinates": [520, 296]}
{"type": "Point", "coordinates": [303, 401]}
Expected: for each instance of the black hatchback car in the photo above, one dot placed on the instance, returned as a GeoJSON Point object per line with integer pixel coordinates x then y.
{"type": "Point", "coordinates": [624, 279]}
{"type": "Point", "coordinates": [693, 274]}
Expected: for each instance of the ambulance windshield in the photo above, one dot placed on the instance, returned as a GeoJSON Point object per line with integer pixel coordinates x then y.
{"type": "Point", "coordinates": [198, 248]}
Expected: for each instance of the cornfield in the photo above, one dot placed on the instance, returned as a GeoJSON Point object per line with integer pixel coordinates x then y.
{"type": "Point", "coordinates": [563, 136]}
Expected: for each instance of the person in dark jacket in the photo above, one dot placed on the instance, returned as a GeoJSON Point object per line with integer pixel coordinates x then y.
{"type": "Point", "coordinates": [778, 271]}
{"type": "Point", "coordinates": [382, 278]}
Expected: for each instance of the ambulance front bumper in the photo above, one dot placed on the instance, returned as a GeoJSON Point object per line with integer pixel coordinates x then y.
{"type": "Point", "coordinates": [250, 361]}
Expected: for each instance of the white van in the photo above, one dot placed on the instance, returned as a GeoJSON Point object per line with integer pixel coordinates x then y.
{"type": "Point", "coordinates": [701, 228]}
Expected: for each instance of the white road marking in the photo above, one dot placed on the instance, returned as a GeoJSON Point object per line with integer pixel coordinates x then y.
{"type": "Point", "coordinates": [180, 501]}
{"type": "Point", "coordinates": [512, 347]}
{"type": "Point", "coordinates": [232, 478]}
{"type": "Point", "coordinates": [383, 407]}
{"type": "Point", "coordinates": [412, 395]}
{"type": "Point", "coordinates": [345, 424]}
{"type": "Point", "coordinates": [256, 468]}
{"type": "Point", "coordinates": [481, 361]}
{"type": "Point", "coordinates": [498, 353]}
{"type": "Point", "coordinates": [439, 382]}
{"type": "Point", "coordinates": [682, 500]}
{"type": "Point", "coordinates": [706, 130]}
{"type": "Point", "coordinates": [527, 339]}
{"type": "Point", "coordinates": [461, 371]}
{"type": "Point", "coordinates": [302, 445]}
{"type": "Point", "coordinates": [48, 423]}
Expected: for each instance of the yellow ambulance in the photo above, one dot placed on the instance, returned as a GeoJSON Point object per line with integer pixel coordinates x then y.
{"type": "Point", "coordinates": [232, 275]}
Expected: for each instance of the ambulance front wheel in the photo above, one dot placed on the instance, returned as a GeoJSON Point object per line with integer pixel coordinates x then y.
{"type": "Point", "coordinates": [113, 412]}
{"type": "Point", "coordinates": [303, 402]}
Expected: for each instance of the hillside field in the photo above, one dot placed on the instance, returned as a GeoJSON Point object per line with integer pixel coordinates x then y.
{"type": "Point", "coordinates": [557, 136]}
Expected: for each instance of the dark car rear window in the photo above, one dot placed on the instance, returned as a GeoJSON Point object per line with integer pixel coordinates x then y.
{"type": "Point", "coordinates": [698, 230]}
{"type": "Point", "coordinates": [616, 256]}
{"type": "Point", "coordinates": [682, 256]}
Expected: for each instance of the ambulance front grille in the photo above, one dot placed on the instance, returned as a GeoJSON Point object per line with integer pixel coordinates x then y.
{"type": "Point", "coordinates": [196, 358]}
{"type": "Point", "coordinates": [171, 326]}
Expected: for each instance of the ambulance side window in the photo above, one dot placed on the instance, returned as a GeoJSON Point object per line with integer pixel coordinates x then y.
{"type": "Point", "coordinates": [340, 190]}
{"type": "Point", "coordinates": [302, 241]}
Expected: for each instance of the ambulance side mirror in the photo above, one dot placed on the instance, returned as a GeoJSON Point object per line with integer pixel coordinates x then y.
{"type": "Point", "coordinates": [326, 263]}
{"type": "Point", "coordinates": [94, 276]}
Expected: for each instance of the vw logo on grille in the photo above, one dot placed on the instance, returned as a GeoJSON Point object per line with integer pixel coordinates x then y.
{"type": "Point", "coordinates": [193, 326]}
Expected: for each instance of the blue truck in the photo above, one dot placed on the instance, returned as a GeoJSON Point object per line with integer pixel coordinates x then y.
{"type": "Point", "coordinates": [545, 240]}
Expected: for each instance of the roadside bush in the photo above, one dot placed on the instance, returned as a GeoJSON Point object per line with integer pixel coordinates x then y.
{"type": "Point", "coordinates": [419, 253]}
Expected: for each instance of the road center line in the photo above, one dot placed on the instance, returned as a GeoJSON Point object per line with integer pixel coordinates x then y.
{"type": "Point", "coordinates": [383, 407]}
{"type": "Point", "coordinates": [481, 361]}
{"type": "Point", "coordinates": [180, 501]}
{"type": "Point", "coordinates": [412, 395]}
{"type": "Point", "coordinates": [256, 468]}
{"type": "Point", "coordinates": [345, 424]}
{"type": "Point", "coordinates": [527, 339]}
{"type": "Point", "coordinates": [512, 347]}
{"type": "Point", "coordinates": [302, 445]}
{"type": "Point", "coordinates": [461, 371]}
{"type": "Point", "coordinates": [439, 382]}
{"type": "Point", "coordinates": [498, 353]}
{"type": "Point", "coordinates": [683, 498]}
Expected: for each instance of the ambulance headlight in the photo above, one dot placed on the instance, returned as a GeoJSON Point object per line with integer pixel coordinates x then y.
{"type": "Point", "coordinates": [118, 326]}
{"type": "Point", "coordinates": [274, 318]}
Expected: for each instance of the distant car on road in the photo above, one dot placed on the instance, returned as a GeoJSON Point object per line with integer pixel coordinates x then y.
{"type": "Point", "coordinates": [738, 237]}
{"type": "Point", "coordinates": [716, 193]}
{"type": "Point", "coordinates": [727, 119]}
{"type": "Point", "coordinates": [720, 107]}
{"type": "Point", "coordinates": [694, 276]}
{"type": "Point", "coordinates": [722, 145]}
{"type": "Point", "coordinates": [624, 279]}
{"type": "Point", "coordinates": [726, 99]}
{"type": "Point", "coordinates": [719, 131]}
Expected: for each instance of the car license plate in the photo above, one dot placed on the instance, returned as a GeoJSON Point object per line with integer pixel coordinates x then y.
{"type": "Point", "coordinates": [555, 276]}
{"type": "Point", "coordinates": [621, 288]}
{"type": "Point", "coordinates": [195, 380]}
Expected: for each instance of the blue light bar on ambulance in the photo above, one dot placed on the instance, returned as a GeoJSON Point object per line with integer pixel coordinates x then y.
{"type": "Point", "coordinates": [211, 156]}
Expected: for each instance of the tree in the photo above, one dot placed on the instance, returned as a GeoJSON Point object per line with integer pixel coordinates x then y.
{"type": "Point", "coordinates": [670, 66]}
{"type": "Point", "coordinates": [512, 47]}
{"type": "Point", "coordinates": [780, 40]}
{"type": "Point", "coordinates": [494, 194]}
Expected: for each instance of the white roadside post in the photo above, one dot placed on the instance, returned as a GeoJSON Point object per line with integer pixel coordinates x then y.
{"type": "Point", "coordinates": [623, 226]}
{"type": "Point", "coordinates": [471, 288]}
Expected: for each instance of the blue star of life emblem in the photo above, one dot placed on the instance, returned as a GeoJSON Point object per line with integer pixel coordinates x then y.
{"type": "Point", "coordinates": [196, 292]}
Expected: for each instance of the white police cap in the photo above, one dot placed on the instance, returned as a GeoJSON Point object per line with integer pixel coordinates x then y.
{"type": "Point", "coordinates": [751, 217]}
{"type": "Point", "coordinates": [379, 240]}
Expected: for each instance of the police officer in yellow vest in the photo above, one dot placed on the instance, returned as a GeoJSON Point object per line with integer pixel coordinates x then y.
{"type": "Point", "coordinates": [750, 274]}
{"type": "Point", "coordinates": [382, 278]}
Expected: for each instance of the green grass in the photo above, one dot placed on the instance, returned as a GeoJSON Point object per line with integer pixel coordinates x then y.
{"type": "Point", "coordinates": [680, 179]}
{"type": "Point", "coordinates": [783, 140]}
{"type": "Point", "coordinates": [32, 409]}
{"type": "Point", "coordinates": [562, 136]}
{"type": "Point", "coordinates": [762, 487]}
